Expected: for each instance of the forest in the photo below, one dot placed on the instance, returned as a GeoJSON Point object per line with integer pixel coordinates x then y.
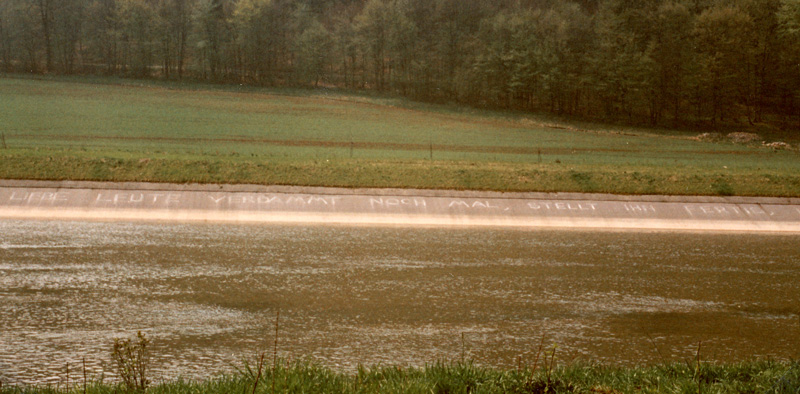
{"type": "Point", "coordinates": [673, 63]}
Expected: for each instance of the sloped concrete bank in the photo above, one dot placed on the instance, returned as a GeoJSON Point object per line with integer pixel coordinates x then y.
{"type": "Point", "coordinates": [276, 204]}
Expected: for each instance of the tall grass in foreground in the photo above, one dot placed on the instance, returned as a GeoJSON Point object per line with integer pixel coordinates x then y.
{"type": "Point", "coordinates": [465, 377]}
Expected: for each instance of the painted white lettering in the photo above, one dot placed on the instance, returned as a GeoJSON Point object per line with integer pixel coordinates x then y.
{"type": "Point", "coordinates": [458, 203]}
{"type": "Point", "coordinates": [156, 197]}
{"type": "Point", "coordinates": [268, 199]}
{"type": "Point", "coordinates": [126, 198]}
{"type": "Point", "coordinates": [39, 197]}
{"type": "Point", "coordinates": [216, 200]}
{"type": "Point", "coordinates": [309, 200]}
{"type": "Point", "coordinates": [753, 211]}
{"type": "Point", "coordinates": [391, 202]}
{"type": "Point", "coordinates": [295, 200]}
{"type": "Point", "coordinates": [642, 208]}
{"type": "Point", "coordinates": [375, 201]}
{"type": "Point", "coordinates": [725, 210]}
{"type": "Point", "coordinates": [102, 198]}
{"type": "Point", "coordinates": [480, 204]}
{"type": "Point", "coordinates": [321, 200]}
{"type": "Point", "coordinates": [15, 197]}
{"type": "Point", "coordinates": [722, 210]}
{"type": "Point", "coordinates": [485, 204]}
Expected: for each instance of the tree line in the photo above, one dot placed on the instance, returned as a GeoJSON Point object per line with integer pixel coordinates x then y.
{"type": "Point", "coordinates": [654, 61]}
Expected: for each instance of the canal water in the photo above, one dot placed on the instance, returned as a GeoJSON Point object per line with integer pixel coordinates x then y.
{"type": "Point", "coordinates": [208, 295]}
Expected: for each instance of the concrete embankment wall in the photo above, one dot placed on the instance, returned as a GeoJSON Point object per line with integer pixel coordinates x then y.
{"type": "Point", "coordinates": [273, 204]}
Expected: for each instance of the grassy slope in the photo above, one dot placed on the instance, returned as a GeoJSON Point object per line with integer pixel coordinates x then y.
{"type": "Point", "coordinates": [112, 130]}
{"type": "Point", "coordinates": [302, 377]}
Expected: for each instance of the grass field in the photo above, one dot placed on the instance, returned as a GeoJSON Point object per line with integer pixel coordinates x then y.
{"type": "Point", "coordinates": [124, 130]}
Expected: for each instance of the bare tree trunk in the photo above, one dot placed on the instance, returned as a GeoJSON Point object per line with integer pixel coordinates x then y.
{"type": "Point", "coordinates": [46, 14]}
{"type": "Point", "coordinates": [5, 50]}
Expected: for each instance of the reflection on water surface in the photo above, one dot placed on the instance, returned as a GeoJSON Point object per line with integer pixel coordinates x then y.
{"type": "Point", "coordinates": [207, 295]}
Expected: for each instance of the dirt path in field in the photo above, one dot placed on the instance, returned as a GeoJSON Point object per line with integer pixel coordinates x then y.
{"type": "Point", "coordinates": [521, 150]}
{"type": "Point", "coordinates": [394, 207]}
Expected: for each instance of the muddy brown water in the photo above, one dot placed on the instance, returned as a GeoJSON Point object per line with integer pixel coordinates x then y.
{"type": "Point", "coordinates": [207, 296]}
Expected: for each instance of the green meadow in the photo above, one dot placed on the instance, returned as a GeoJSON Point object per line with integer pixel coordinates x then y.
{"type": "Point", "coordinates": [108, 129]}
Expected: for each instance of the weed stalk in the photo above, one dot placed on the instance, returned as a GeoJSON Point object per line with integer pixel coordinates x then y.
{"type": "Point", "coordinates": [84, 374]}
{"type": "Point", "coordinates": [536, 360]}
{"type": "Point", "coordinates": [660, 355]}
{"type": "Point", "coordinates": [260, 368]}
{"type": "Point", "coordinates": [462, 348]}
{"type": "Point", "coordinates": [538, 354]}
{"type": "Point", "coordinates": [697, 367]}
{"type": "Point", "coordinates": [275, 349]}
{"type": "Point", "coordinates": [549, 368]}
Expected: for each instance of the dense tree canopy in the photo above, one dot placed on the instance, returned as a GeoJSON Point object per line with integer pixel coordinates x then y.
{"type": "Point", "coordinates": [655, 61]}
